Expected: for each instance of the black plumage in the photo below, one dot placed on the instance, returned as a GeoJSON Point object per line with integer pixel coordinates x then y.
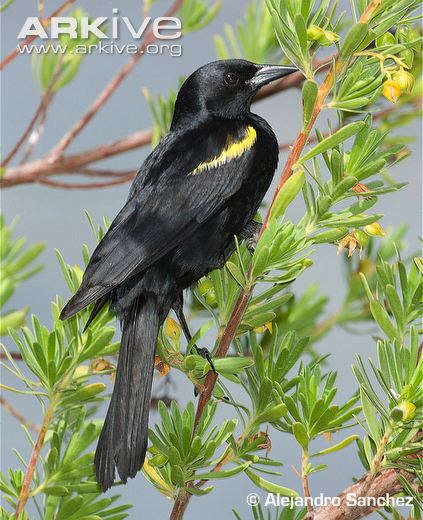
{"type": "Point", "coordinates": [200, 186]}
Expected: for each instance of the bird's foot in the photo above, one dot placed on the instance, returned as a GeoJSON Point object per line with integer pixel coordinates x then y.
{"type": "Point", "coordinates": [204, 353]}
{"type": "Point", "coordinates": [252, 242]}
{"type": "Point", "coordinates": [253, 231]}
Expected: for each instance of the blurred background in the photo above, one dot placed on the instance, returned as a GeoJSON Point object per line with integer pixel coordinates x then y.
{"type": "Point", "coordinates": [56, 217]}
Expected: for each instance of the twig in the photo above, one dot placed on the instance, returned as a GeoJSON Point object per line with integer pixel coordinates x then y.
{"type": "Point", "coordinates": [87, 185]}
{"type": "Point", "coordinates": [41, 9]}
{"type": "Point", "coordinates": [109, 90]}
{"type": "Point", "coordinates": [40, 115]}
{"type": "Point", "coordinates": [24, 494]}
{"type": "Point", "coordinates": [386, 484]}
{"type": "Point", "coordinates": [17, 415]}
{"type": "Point", "coordinates": [46, 22]}
{"type": "Point", "coordinates": [17, 356]}
{"type": "Point", "coordinates": [32, 171]}
{"type": "Point", "coordinates": [304, 479]}
{"type": "Point", "coordinates": [104, 172]}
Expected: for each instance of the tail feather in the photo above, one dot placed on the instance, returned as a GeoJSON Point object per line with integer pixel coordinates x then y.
{"type": "Point", "coordinates": [99, 304]}
{"type": "Point", "coordinates": [123, 440]}
{"type": "Point", "coordinates": [81, 299]}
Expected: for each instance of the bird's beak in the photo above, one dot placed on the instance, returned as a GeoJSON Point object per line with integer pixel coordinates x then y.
{"type": "Point", "coordinates": [268, 73]}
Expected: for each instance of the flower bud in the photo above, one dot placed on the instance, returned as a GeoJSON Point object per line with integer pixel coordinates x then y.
{"type": "Point", "coordinates": [314, 33]}
{"type": "Point", "coordinates": [173, 330]}
{"type": "Point", "coordinates": [324, 37]}
{"type": "Point", "coordinates": [405, 411]}
{"type": "Point", "coordinates": [267, 326]}
{"type": "Point", "coordinates": [81, 371]}
{"type": "Point", "coordinates": [391, 90]}
{"type": "Point", "coordinates": [211, 298]}
{"type": "Point", "coordinates": [375, 230]}
{"type": "Point", "coordinates": [385, 40]}
{"type": "Point", "coordinates": [405, 80]}
{"type": "Point", "coordinates": [206, 290]}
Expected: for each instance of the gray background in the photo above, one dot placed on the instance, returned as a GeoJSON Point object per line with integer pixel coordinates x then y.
{"type": "Point", "coordinates": [57, 218]}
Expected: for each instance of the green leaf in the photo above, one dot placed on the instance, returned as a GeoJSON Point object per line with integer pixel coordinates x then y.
{"type": "Point", "coordinates": [13, 320]}
{"type": "Point", "coordinates": [287, 194]}
{"type": "Point", "coordinates": [301, 32]}
{"type": "Point", "coordinates": [232, 364]}
{"type": "Point", "coordinates": [352, 40]}
{"type": "Point", "coordinates": [333, 140]}
{"type": "Point", "coordinates": [309, 94]}
{"type": "Point", "coordinates": [270, 487]}
{"type": "Point", "coordinates": [272, 414]}
{"type": "Point", "coordinates": [395, 304]}
{"type": "Point", "coordinates": [300, 433]}
{"type": "Point", "coordinates": [370, 415]}
{"type": "Point", "coordinates": [381, 316]}
{"type": "Point", "coordinates": [260, 258]}
{"type": "Point", "coordinates": [58, 491]}
{"type": "Point", "coordinates": [236, 273]}
{"type": "Point", "coordinates": [223, 474]}
{"type": "Point", "coordinates": [336, 447]}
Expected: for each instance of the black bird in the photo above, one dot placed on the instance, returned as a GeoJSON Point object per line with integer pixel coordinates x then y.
{"type": "Point", "coordinates": [200, 186]}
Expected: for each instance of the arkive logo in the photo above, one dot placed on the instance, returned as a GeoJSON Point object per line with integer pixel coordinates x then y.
{"type": "Point", "coordinates": [163, 28]}
{"type": "Point", "coordinates": [105, 32]}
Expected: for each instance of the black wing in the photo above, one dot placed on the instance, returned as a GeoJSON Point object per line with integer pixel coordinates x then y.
{"type": "Point", "coordinates": [170, 198]}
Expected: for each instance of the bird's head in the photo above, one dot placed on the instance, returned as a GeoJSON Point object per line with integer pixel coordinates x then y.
{"type": "Point", "coordinates": [224, 88]}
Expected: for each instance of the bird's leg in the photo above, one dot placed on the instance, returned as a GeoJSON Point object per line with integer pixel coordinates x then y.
{"type": "Point", "coordinates": [251, 234]}
{"type": "Point", "coordinates": [178, 307]}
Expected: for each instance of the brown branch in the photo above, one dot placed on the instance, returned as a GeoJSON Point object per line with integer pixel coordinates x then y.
{"type": "Point", "coordinates": [17, 356]}
{"type": "Point", "coordinates": [87, 185]}
{"type": "Point", "coordinates": [25, 135]}
{"type": "Point", "coordinates": [32, 171]}
{"type": "Point", "coordinates": [109, 90]}
{"type": "Point", "coordinates": [304, 480]}
{"type": "Point", "coordinates": [12, 55]}
{"type": "Point", "coordinates": [24, 494]}
{"type": "Point", "coordinates": [385, 484]}
{"type": "Point", "coordinates": [17, 415]}
{"type": "Point", "coordinates": [104, 172]}
{"type": "Point", "coordinates": [39, 116]}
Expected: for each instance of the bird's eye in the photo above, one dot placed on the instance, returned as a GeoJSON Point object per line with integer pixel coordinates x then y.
{"type": "Point", "coordinates": [231, 79]}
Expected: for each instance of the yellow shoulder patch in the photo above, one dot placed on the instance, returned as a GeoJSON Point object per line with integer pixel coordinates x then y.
{"type": "Point", "coordinates": [231, 151]}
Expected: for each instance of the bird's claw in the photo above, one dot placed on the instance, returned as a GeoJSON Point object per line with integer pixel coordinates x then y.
{"type": "Point", "coordinates": [204, 353]}
{"type": "Point", "coordinates": [252, 242]}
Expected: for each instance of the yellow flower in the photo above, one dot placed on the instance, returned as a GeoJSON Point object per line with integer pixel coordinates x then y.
{"type": "Point", "coordinates": [405, 411]}
{"type": "Point", "coordinates": [267, 326]}
{"type": "Point", "coordinates": [173, 330]}
{"type": "Point", "coordinates": [405, 80]}
{"type": "Point", "coordinates": [375, 230]}
{"type": "Point", "coordinates": [392, 90]}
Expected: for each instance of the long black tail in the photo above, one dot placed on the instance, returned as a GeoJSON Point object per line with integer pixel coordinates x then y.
{"type": "Point", "coordinates": [123, 440]}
